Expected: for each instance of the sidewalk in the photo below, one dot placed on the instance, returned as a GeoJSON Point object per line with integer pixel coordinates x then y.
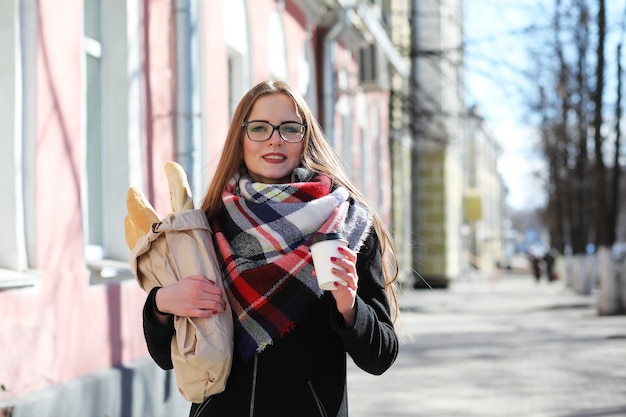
{"type": "Point", "coordinates": [503, 346]}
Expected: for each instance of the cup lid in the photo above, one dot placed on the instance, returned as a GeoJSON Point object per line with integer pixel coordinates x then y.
{"type": "Point", "coordinates": [327, 236]}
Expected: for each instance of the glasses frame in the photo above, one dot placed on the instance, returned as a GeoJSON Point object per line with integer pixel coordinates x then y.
{"type": "Point", "coordinates": [275, 127]}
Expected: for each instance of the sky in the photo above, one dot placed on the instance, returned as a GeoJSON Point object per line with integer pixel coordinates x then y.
{"type": "Point", "coordinates": [495, 56]}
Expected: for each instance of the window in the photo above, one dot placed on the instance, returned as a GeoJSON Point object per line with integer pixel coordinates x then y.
{"type": "Point", "coordinates": [368, 64]}
{"type": "Point", "coordinates": [277, 50]}
{"type": "Point", "coordinates": [347, 140]}
{"type": "Point", "coordinates": [306, 76]}
{"type": "Point", "coordinates": [112, 137]}
{"type": "Point", "coordinates": [236, 38]}
{"type": "Point", "coordinates": [379, 147]}
{"type": "Point", "coordinates": [17, 128]}
{"type": "Point", "coordinates": [93, 131]}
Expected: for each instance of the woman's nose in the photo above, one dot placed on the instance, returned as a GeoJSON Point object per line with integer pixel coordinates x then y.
{"type": "Point", "coordinates": [275, 137]}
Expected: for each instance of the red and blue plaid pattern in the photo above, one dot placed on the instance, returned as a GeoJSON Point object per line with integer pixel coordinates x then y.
{"type": "Point", "coordinates": [263, 236]}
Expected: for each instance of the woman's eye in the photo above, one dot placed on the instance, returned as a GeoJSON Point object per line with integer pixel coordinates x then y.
{"type": "Point", "coordinates": [291, 128]}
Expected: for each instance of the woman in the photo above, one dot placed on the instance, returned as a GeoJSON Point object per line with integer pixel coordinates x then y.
{"type": "Point", "coordinates": [278, 184]}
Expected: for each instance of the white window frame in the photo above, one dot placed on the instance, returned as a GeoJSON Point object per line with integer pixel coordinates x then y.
{"type": "Point", "coordinates": [121, 133]}
{"type": "Point", "coordinates": [237, 41]}
{"type": "Point", "coordinates": [17, 161]}
{"type": "Point", "coordinates": [307, 79]}
{"type": "Point", "coordinates": [277, 49]}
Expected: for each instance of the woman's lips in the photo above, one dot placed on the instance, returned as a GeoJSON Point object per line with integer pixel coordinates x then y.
{"type": "Point", "coordinates": [274, 158]}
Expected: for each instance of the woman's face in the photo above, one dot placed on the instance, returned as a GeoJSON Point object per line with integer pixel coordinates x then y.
{"type": "Point", "coordinates": [272, 161]}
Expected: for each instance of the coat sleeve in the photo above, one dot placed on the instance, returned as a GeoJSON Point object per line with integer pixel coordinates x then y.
{"type": "Point", "coordinates": [372, 342]}
{"type": "Point", "coordinates": [158, 336]}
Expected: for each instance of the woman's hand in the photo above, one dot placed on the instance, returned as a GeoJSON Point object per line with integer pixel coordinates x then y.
{"type": "Point", "coordinates": [345, 295]}
{"type": "Point", "coordinates": [194, 296]}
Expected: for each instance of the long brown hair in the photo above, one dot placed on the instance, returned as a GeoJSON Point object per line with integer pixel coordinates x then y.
{"type": "Point", "coordinates": [318, 156]}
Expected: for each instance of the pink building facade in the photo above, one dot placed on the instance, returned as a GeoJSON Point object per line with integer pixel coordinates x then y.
{"type": "Point", "coordinates": [97, 96]}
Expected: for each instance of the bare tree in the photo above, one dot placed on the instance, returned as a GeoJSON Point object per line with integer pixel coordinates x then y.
{"type": "Point", "coordinates": [603, 235]}
{"type": "Point", "coordinates": [614, 193]}
{"type": "Point", "coordinates": [582, 191]}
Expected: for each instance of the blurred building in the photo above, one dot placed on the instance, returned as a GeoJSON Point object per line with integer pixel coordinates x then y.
{"type": "Point", "coordinates": [484, 226]}
{"type": "Point", "coordinates": [397, 14]}
{"type": "Point", "coordinates": [97, 96]}
{"type": "Point", "coordinates": [457, 193]}
{"type": "Point", "coordinates": [438, 117]}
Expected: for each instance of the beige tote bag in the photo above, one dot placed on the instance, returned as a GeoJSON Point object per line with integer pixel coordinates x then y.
{"type": "Point", "coordinates": [178, 246]}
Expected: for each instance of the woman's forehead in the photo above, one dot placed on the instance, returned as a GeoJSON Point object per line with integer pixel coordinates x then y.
{"type": "Point", "coordinates": [276, 105]}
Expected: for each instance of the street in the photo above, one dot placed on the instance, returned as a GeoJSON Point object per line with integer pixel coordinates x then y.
{"type": "Point", "coordinates": [499, 346]}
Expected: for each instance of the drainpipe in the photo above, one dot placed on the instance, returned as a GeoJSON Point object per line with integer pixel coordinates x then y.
{"type": "Point", "coordinates": [329, 75]}
{"type": "Point", "coordinates": [186, 115]}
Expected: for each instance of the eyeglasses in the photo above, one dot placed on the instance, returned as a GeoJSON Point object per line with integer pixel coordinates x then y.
{"type": "Point", "coordinates": [260, 131]}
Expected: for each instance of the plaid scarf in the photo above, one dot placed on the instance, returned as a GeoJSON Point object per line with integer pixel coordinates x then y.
{"type": "Point", "coordinates": [263, 236]}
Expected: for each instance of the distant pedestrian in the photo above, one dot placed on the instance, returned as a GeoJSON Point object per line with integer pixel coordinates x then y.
{"type": "Point", "coordinates": [548, 258]}
{"type": "Point", "coordinates": [536, 267]}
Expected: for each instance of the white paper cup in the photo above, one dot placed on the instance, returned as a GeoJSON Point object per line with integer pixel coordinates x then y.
{"type": "Point", "coordinates": [322, 248]}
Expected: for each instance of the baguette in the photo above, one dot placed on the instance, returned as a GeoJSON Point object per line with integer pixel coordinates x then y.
{"type": "Point", "coordinates": [131, 232]}
{"type": "Point", "coordinates": [141, 216]}
{"type": "Point", "coordinates": [180, 193]}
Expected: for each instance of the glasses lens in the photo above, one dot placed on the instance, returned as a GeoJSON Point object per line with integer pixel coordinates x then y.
{"type": "Point", "coordinates": [259, 131]}
{"type": "Point", "coordinates": [292, 132]}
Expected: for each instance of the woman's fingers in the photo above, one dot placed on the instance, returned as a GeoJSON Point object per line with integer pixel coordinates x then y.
{"type": "Point", "coordinates": [209, 296]}
{"type": "Point", "coordinates": [345, 296]}
{"type": "Point", "coordinates": [194, 296]}
{"type": "Point", "coordinates": [347, 267]}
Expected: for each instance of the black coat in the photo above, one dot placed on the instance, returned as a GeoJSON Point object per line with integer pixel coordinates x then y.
{"type": "Point", "coordinates": [304, 373]}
